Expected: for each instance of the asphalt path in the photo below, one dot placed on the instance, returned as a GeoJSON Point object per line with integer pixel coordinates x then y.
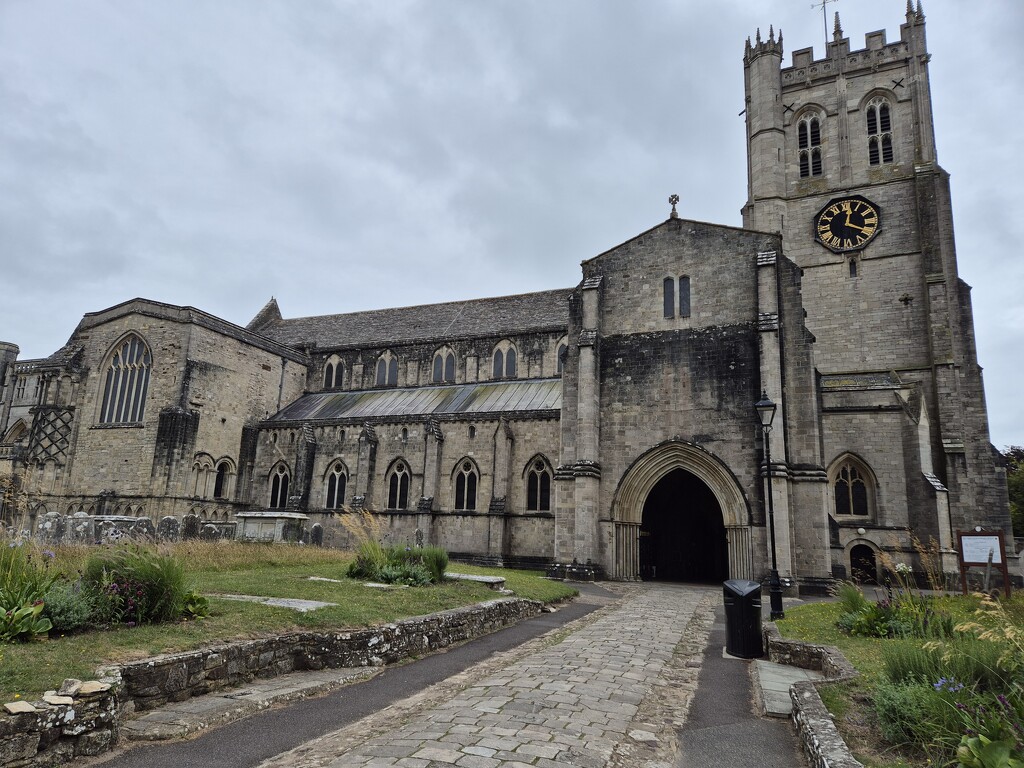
{"type": "Point", "coordinates": [248, 742]}
{"type": "Point", "coordinates": [722, 729]}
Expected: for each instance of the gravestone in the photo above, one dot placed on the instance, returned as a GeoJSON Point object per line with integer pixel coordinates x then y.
{"type": "Point", "coordinates": [52, 528]}
{"type": "Point", "coordinates": [316, 535]}
{"type": "Point", "coordinates": [190, 527]}
{"type": "Point", "coordinates": [209, 532]}
{"type": "Point", "coordinates": [83, 528]}
{"type": "Point", "coordinates": [169, 529]}
{"type": "Point", "coordinates": [143, 529]}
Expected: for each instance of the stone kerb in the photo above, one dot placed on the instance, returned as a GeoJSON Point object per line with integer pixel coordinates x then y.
{"type": "Point", "coordinates": [176, 677]}
{"type": "Point", "coordinates": [822, 743]}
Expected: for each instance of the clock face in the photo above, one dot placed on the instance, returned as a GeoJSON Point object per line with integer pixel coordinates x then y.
{"type": "Point", "coordinates": [846, 224]}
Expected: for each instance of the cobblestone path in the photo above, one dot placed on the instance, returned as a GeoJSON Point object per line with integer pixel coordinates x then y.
{"type": "Point", "coordinates": [572, 699]}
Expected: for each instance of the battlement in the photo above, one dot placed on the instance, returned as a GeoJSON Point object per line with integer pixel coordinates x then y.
{"type": "Point", "coordinates": [876, 49]}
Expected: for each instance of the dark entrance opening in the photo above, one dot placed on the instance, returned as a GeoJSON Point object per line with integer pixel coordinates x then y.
{"type": "Point", "coordinates": [682, 535]}
{"type": "Point", "coordinates": [862, 564]}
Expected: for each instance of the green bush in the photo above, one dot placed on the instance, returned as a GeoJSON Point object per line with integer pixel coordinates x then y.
{"type": "Point", "coordinates": [918, 713]}
{"type": "Point", "coordinates": [70, 608]}
{"type": "Point", "coordinates": [417, 566]}
{"type": "Point", "coordinates": [136, 585]}
{"type": "Point", "coordinates": [25, 578]}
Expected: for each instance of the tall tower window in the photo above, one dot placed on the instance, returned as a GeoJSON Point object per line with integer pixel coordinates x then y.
{"type": "Point", "coordinates": [669, 296]}
{"type": "Point", "coordinates": [809, 146]}
{"type": "Point", "coordinates": [879, 132]}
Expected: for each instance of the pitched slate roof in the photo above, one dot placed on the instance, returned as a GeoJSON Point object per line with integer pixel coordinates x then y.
{"type": "Point", "coordinates": [492, 397]}
{"type": "Point", "coordinates": [502, 316]}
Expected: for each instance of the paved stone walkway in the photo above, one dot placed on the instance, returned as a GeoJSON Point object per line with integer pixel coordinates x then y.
{"type": "Point", "coordinates": [575, 701]}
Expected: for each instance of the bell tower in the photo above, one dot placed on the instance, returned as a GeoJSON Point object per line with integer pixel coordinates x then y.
{"type": "Point", "coordinates": [842, 161]}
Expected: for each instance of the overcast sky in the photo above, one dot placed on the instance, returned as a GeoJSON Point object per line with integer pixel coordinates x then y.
{"type": "Point", "coordinates": [343, 156]}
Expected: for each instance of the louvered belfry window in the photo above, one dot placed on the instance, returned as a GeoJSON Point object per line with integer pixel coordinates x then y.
{"type": "Point", "coordinates": [127, 383]}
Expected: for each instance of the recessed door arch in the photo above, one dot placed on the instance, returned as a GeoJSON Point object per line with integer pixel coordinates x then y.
{"type": "Point", "coordinates": [647, 471]}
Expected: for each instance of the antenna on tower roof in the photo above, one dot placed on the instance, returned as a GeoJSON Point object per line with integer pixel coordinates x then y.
{"type": "Point", "coordinates": [824, 17]}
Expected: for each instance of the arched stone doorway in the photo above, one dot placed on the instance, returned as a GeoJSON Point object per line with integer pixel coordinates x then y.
{"type": "Point", "coordinates": [711, 485]}
{"type": "Point", "coordinates": [863, 566]}
{"type": "Point", "coordinates": [682, 535]}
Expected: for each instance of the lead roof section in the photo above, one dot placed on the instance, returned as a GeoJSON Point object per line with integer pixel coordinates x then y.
{"type": "Point", "coordinates": [457, 399]}
{"type": "Point", "coordinates": [501, 316]}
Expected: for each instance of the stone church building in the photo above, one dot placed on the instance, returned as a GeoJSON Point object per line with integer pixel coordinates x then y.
{"type": "Point", "coordinates": [611, 422]}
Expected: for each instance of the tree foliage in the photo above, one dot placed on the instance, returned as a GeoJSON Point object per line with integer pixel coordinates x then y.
{"type": "Point", "coordinates": [1014, 456]}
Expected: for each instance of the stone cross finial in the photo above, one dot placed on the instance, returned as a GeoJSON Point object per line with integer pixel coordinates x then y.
{"type": "Point", "coordinates": [673, 199]}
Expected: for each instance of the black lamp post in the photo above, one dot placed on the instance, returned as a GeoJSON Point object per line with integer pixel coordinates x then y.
{"type": "Point", "coordinates": [766, 413]}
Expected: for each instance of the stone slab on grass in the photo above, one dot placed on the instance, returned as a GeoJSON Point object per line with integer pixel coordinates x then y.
{"type": "Point", "coordinates": [302, 606]}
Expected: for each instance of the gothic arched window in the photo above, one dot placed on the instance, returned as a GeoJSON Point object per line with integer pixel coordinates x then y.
{"type": "Point", "coordinates": [279, 487]}
{"type": "Point", "coordinates": [398, 486]}
{"type": "Point", "coordinates": [336, 484]}
{"type": "Point", "coordinates": [333, 372]}
{"type": "Point", "coordinates": [222, 481]}
{"type": "Point", "coordinates": [809, 145]}
{"type": "Point", "coordinates": [879, 132]}
{"type": "Point", "coordinates": [669, 296]}
{"type": "Point", "coordinates": [387, 370]}
{"type": "Point", "coordinates": [444, 366]}
{"type": "Point", "coordinates": [538, 486]}
{"type": "Point", "coordinates": [127, 382]}
{"type": "Point", "coordinates": [852, 488]}
{"type": "Point", "coordinates": [504, 361]}
{"type": "Point", "coordinates": [466, 481]}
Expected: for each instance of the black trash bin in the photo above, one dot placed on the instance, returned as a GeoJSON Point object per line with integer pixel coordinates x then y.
{"type": "Point", "coordinates": [743, 619]}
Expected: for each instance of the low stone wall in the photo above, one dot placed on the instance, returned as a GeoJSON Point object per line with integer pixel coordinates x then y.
{"type": "Point", "coordinates": [80, 719]}
{"type": "Point", "coordinates": [175, 677]}
{"type": "Point", "coordinates": [823, 745]}
{"type": "Point", "coordinates": [83, 719]}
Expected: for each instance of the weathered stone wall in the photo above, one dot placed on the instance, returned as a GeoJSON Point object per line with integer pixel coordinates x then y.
{"type": "Point", "coordinates": [150, 683]}
{"type": "Point", "coordinates": [79, 720]}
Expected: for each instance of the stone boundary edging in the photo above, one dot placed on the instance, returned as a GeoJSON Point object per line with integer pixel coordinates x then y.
{"type": "Point", "coordinates": [822, 743]}
{"type": "Point", "coordinates": [44, 733]}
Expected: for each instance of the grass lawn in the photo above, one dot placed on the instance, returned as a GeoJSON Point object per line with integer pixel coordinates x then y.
{"type": "Point", "coordinates": [851, 702]}
{"type": "Point", "coordinates": [29, 669]}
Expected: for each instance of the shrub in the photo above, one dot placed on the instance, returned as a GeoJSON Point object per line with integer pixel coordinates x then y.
{"type": "Point", "coordinates": [25, 578]}
{"type": "Point", "coordinates": [70, 607]}
{"type": "Point", "coordinates": [915, 713]}
{"type": "Point", "coordinates": [136, 585]}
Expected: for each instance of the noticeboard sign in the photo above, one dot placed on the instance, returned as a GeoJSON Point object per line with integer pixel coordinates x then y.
{"type": "Point", "coordinates": [979, 548]}
{"type": "Point", "coordinates": [975, 548]}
